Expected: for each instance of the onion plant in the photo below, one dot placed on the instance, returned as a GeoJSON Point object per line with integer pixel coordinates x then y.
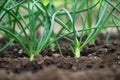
{"type": "Point", "coordinates": [37, 16]}
{"type": "Point", "coordinates": [103, 17]}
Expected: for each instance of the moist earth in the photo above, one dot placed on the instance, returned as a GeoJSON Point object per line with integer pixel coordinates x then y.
{"type": "Point", "coordinates": [99, 61]}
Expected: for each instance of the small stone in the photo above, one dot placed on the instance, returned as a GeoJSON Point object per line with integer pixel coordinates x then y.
{"type": "Point", "coordinates": [90, 55]}
{"type": "Point", "coordinates": [74, 68]}
{"type": "Point", "coordinates": [20, 51]}
{"type": "Point", "coordinates": [96, 57]}
{"type": "Point", "coordinates": [118, 57]}
{"type": "Point", "coordinates": [15, 49]}
{"type": "Point", "coordinates": [115, 43]}
{"type": "Point", "coordinates": [56, 55]}
{"type": "Point", "coordinates": [40, 62]}
{"type": "Point", "coordinates": [119, 63]}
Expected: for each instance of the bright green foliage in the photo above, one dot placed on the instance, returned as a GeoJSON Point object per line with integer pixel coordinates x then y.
{"type": "Point", "coordinates": [20, 21]}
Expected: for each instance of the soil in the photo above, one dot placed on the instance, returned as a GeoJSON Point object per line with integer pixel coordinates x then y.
{"type": "Point", "coordinates": [100, 61]}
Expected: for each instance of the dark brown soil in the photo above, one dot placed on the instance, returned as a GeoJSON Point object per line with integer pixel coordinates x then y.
{"type": "Point", "coordinates": [97, 62]}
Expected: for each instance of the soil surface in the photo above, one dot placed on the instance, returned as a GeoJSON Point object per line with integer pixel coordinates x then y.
{"type": "Point", "coordinates": [100, 61]}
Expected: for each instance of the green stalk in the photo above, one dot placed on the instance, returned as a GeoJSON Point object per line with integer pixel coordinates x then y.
{"type": "Point", "coordinates": [76, 42]}
{"type": "Point", "coordinates": [89, 17]}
